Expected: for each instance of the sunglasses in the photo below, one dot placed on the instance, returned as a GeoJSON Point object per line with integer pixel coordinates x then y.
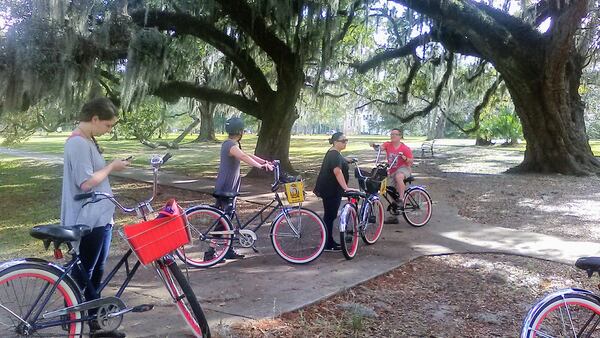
{"type": "Point", "coordinates": [395, 134]}
{"type": "Point", "coordinates": [343, 141]}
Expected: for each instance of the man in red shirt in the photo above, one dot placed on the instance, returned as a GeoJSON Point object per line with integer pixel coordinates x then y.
{"type": "Point", "coordinates": [402, 168]}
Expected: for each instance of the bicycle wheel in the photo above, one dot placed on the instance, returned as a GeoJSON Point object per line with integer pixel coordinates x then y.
{"type": "Point", "coordinates": [349, 231]}
{"type": "Point", "coordinates": [184, 297]}
{"type": "Point", "coordinates": [21, 288]}
{"type": "Point", "coordinates": [374, 224]}
{"type": "Point", "coordinates": [298, 235]}
{"type": "Point", "coordinates": [569, 313]}
{"type": "Point", "coordinates": [206, 249]}
{"type": "Point", "coordinates": [417, 207]}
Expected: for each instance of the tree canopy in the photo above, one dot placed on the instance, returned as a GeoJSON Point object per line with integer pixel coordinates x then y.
{"type": "Point", "coordinates": [420, 61]}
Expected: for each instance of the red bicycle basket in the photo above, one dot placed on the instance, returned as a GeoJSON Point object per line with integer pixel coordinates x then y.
{"type": "Point", "coordinates": [153, 239]}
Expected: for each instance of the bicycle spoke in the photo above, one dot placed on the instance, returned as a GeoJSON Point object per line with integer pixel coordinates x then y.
{"type": "Point", "coordinates": [298, 236]}
{"type": "Point", "coordinates": [25, 291]}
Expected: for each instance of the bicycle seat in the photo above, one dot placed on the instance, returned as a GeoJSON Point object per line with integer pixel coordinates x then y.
{"type": "Point", "coordinates": [58, 233]}
{"type": "Point", "coordinates": [354, 193]}
{"type": "Point", "coordinates": [589, 264]}
{"type": "Point", "coordinates": [409, 179]}
{"type": "Point", "coordinates": [225, 195]}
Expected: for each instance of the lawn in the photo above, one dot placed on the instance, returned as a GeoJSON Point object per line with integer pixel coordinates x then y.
{"type": "Point", "coordinates": [30, 190]}
{"type": "Point", "coordinates": [202, 159]}
{"type": "Point", "coordinates": [29, 195]}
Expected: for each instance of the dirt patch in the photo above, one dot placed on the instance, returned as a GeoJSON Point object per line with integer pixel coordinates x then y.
{"type": "Point", "coordinates": [445, 296]}
{"type": "Point", "coordinates": [466, 295]}
{"type": "Point", "coordinates": [473, 180]}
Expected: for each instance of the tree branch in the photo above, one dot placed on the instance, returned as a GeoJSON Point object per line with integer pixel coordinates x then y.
{"type": "Point", "coordinates": [477, 112]}
{"type": "Point", "coordinates": [414, 69]}
{"type": "Point", "coordinates": [484, 102]}
{"type": "Point", "coordinates": [562, 30]}
{"type": "Point", "coordinates": [496, 34]}
{"type": "Point", "coordinates": [185, 24]}
{"type": "Point", "coordinates": [255, 27]}
{"type": "Point", "coordinates": [171, 91]}
{"type": "Point", "coordinates": [405, 50]}
{"type": "Point", "coordinates": [390, 103]}
{"type": "Point", "coordinates": [436, 96]}
{"type": "Point", "coordinates": [480, 69]}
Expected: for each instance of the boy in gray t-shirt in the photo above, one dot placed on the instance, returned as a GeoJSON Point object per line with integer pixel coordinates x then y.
{"type": "Point", "coordinates": [228, 178]}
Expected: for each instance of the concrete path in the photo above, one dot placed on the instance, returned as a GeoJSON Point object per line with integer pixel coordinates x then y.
{"type": "Point", "coordinates": [264, 285]}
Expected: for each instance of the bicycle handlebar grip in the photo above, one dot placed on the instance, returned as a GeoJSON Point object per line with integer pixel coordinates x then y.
{"type": "Point", "coordinates": [166, 157]}
{"type": "Point", "coordinates": [83, 196]}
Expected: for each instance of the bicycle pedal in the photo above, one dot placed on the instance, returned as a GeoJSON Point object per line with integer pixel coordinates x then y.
{"type": "Point", "coordinates": [142, 308]}
{"type": "Point", "coordinates": [254, 249]}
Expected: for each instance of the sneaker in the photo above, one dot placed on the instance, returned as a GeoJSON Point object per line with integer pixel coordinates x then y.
{"type": "Point", "coordinates": [209, 255]}
{"type": "Point", "coordinates": [349, 237]}
{"type": "Point", "coordinates": [96, 332]}
{"type": "Point", "coordinates": [108, 334]}
{"type": "Point", "coordinates": [232, 254]}
{"type": "Point", "coordinates": [335, 247]}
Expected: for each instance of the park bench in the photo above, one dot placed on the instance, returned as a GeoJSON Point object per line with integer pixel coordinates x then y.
{"type": "Point", "coordinates": [427, 147]}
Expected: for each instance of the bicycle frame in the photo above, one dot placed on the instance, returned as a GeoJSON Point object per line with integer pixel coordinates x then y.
{"type": "Point", "coordinates": [65, 271]}
{"type": "Point", "coordinates": [276, 204]}
{"type": "Point", "coordinates": [231, 212]}
{"type": "Point", "coordinates": [363, 202]}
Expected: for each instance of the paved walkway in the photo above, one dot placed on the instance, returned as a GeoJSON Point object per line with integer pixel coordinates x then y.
{"type": "Point", "coordinates": [264, 285]}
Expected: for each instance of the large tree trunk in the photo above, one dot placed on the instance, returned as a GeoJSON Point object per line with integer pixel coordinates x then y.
{"type": "Point", "coordinates": [440, 127]}
{"type": "Point", "coordinates": [278, 116]}
{"type": "Point", "coordinates": [551, 112]}
{"type": "Point", "coordinates": [207, 124]}
{"type": "Point", "coordinates": [274, 136]}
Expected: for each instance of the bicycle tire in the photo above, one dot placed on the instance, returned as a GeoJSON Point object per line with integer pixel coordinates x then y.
{"type": "Point", "coordinates": [304, 247]}
{"type": "Point", "coordinates": [372, 231]}
{"type": "Point", "coordinates": [417, 207]}
{"type": "Point", "coordinates": [204, 250]}
{"type": "Point", "coordinates": [22, 277]}
{"type": "Point", "coordinates": [349, 231]}
{"type": "Point", "coordinates": [563, 314]}
{"type": "Point", "coordinates": [184, 297]}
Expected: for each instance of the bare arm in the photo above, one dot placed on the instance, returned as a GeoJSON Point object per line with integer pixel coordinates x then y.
{"type": "Point", "coordinates": [258, 159]}
{"type": "Point", "coordinates": [102, 174]}
{"type": "Point", "coordinates": [238, 153]}
{"type": "Point", "coordinates": [339, 176]}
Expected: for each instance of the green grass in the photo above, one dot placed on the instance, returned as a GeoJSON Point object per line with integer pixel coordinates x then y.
{"type": "Point", "coordinates": [29, 195]}
{"type": "Point", "coordinates": [202, 159]}
{"type": "Point", "coordinates": [595, 144]}
{"type": "Point", "coordinates": [30, 190]}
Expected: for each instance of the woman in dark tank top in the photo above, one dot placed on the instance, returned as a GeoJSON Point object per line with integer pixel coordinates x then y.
{"type": "Point", "coordinates": [331, 184]}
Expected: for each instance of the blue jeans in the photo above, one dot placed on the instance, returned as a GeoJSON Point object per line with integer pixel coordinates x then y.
{"type": "Point", "coordinates": [93, 252]}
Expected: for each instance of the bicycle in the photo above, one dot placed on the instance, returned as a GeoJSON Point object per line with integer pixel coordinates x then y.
{"type": "Point", "coordinates": [567, 312]}
{"type": "Point", "coordinates": [38, 297]}
{"type": "Point", "coordinates": [417, 204]}
{"type": "Point", "coordinates": [297, 233]}
{"type": "Point", "coordinates": [363, 213]}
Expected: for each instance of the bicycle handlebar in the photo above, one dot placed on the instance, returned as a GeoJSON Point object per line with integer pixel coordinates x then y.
{"type": "Point", "coordinates": [278, 175]}
{"type": "Point", "coordinates": [83, 196]}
